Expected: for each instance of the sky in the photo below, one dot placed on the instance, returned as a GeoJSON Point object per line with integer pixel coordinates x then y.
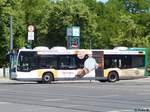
{"type": "Point", "coordinates": [103, 1]}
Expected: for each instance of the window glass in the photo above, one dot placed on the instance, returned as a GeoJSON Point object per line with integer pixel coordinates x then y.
{"type": "Point", "coordinates": [67, 62]}
{"type": "Point", "coordinates": [117, 61]}
{"type": "Point", "coordinates": [126, 61]}
{"type": "Point", "coordinates": [27, 61]}
{"type": "Point", "coordinates": [138, 61]}
{"type": "Point", "coordinates": [47, 61]}
{"type": "Point", "coordinates": [111, 61]}
{"type": "Point", "coordinates": [123, 61]}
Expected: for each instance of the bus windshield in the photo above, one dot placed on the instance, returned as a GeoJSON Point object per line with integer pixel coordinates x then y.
{"type": "Point", "coordinates": [27, 61]}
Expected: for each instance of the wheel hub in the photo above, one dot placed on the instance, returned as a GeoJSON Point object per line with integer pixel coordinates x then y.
{"type": "Point", "coordinates": [47, 78]}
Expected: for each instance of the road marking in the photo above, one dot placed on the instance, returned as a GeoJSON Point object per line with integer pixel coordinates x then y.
{"type": "Point", "coordinates": [146, 90]}
{"type": "Point", "coordinates": [4, 89]}
{"type": "Point", "coordinates": [35, 109]}
{"type": "Point", "coordinates": [121, 111]}
{"type": "Point", "coordinates": [147, 100]}
{"type": "Point", "coordinates": [106, 96]}
{"type": "Point", "coordinates": [46, 100]}
{"type": "Point", "coordinates": [70, 106]}
{"type": "Point", "coordinates": [85, 96]}
{"type": "Point", "coordinates": [4, 103]}
{"type": "Point", "coordinates": [144, 93]}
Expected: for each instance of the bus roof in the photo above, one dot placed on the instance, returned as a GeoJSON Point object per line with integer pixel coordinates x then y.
{"type": "Point", "coordinates": [128, 51]}
{"type": "Point", "coordinates": [62, 50]}
{"type": "Point", "coordinates": [56, 51]}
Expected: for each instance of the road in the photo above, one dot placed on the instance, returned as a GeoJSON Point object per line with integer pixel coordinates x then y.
{"type": "Point", "coordinates": [82, 96]}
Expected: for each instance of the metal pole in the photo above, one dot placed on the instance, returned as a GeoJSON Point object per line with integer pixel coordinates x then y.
{"type": "Point", "coordinates": [11, 48]}
{"type": "Point", "coordinates": [4, 72]}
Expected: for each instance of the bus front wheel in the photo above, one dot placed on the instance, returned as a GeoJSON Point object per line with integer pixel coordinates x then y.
{"type": "Point", "coordinates": [113, 77]}
{"type": "Point", "coordinates": [47, 78]}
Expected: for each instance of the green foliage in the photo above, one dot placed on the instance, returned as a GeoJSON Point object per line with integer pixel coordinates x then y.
{"type": "Point", "coordinates": [70, 13]}
{"type": "Point", "coordinates": [115, 23]}
{"type": "Point", "coordinates": [36, 14]}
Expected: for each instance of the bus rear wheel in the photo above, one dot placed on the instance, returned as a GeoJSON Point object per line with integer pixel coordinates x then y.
{"type": "Point", "coordinates": [113, 77]}
{"type": "Point", "coordinates": [47, 78]}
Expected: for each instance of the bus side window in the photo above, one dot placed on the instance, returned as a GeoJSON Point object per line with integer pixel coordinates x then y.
{"type": "Point", "coordinates": [114, 63]}
{"type": "Point", "coordinates": [67, 62]}
{"type": "Point", "coordinates": [126, 61]}
{"type": "Point", "coordinates": [63, 62]}
{"type": "Point", "coordinates": [62, 65]}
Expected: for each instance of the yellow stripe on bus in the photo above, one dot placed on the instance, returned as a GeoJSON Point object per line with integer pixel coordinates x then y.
{"type": "Point", "coordinates": [40, 72]}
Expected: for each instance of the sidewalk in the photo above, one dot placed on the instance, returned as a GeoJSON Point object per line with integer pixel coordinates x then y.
{"type": "Point", "coordinates": [7, 80]}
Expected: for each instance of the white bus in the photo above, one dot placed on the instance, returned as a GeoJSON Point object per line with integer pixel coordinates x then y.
{"type": "Point", "coordinates": [44, 65]}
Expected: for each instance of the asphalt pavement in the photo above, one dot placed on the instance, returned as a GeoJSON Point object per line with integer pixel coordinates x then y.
{"type": "Point", "coordinates": [75, 96]}
{"type": "Point", "coordinates": [7, 80]}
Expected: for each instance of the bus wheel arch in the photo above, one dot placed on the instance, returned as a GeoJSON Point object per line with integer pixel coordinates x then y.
{"type": "Point", "coordinates": [113, 76]}
{"type": "Point", "coordinates": [47, 77]}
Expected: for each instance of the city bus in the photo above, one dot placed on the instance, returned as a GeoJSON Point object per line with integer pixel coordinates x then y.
{"type": "Point", "coordinates": [45, 65]}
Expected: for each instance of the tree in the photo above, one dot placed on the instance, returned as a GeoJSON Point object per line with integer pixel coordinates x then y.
{"type": "Point", "coordinates": [36, 14]}
{"type": "Point", "coordinates": [7, 8]}
{"type": "Point", "coordinates": [70, 13]}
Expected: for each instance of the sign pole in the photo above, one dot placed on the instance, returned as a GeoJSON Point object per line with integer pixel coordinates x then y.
{"type": "Point", "coordinates": [30, 35]}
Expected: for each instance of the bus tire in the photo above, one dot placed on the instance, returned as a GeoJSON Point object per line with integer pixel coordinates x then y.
{"type": "Point", "coordinates": [113, 76]}
{"type": "Point", "coordinates": [102, 80]}
{"type": "Point", "coordinates": [47, 78]}
{"type": "Point", "coordinates": [39, 82]}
